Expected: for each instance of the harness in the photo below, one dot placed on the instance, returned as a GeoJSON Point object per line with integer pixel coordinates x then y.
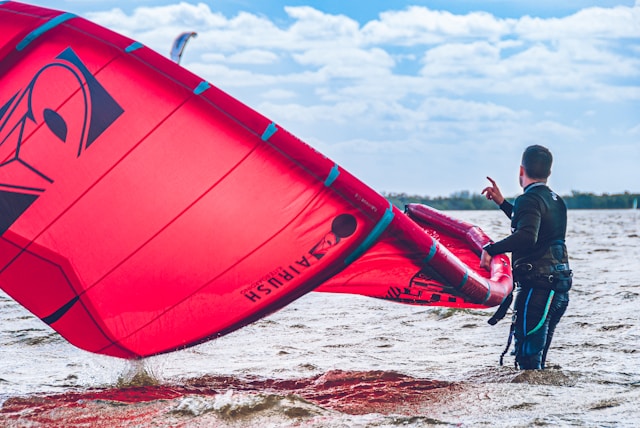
{"type": "Point", "coordinates": [549, 271]}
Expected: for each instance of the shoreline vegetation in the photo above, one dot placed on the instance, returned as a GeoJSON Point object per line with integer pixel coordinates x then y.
{"type": "Point", "coordinates": [465, 200]}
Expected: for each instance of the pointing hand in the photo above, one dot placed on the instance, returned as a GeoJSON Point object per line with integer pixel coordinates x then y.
{"type": "Point", "coordinates": [493, 192]}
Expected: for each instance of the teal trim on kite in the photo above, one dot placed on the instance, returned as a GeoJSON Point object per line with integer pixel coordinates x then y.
{"type": "Point", "coordinates": [464, 279]}
{"type": "Point", "coordinates": [432, 252]}
{"type": "Point", "coordinates": [373, 236]}
{"type": "Point", "coordinates": [488, 292]}
{"type": "Point", "coordinates": [202, 86]}
{"type": "Point", "coordinates": [268, 133]}
{"type": "Point", "coordinates": [333, 175]}
{"type": "Point", "coordinates": [43, 29]}
{"type": "Point", "coordinates": [133, 47]}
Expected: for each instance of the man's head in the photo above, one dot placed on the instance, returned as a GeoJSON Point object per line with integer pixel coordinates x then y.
{"type": "Point", "coordinates": [536, 161]}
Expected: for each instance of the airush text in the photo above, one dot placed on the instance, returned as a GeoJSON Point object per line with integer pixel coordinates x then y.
{"type": "Point", "coordinates": [342, 227]}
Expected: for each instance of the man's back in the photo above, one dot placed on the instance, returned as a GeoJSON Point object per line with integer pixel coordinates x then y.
{"type": "Point", "coordinates": [543, 214]}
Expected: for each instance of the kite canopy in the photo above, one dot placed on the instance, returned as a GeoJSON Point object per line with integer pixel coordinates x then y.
{"type": "Point", "coordinates": [144, 210]}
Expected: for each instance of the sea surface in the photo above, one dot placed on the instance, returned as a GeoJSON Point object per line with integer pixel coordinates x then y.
{"type": "Point", "coordinates": [349, 361]}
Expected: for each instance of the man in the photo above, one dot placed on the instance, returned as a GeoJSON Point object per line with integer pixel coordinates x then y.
{"type": "Point", "coordinates": [539, 257]}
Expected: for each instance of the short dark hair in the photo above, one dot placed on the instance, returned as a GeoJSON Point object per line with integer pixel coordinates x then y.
{"type": "Point", "coordinates": [536, 161]}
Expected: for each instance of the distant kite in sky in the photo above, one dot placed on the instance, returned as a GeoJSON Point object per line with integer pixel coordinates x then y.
{"type": "Point", "coordinates": [144, 210]}
{"type": "Point", "coordinates": [179, 44]}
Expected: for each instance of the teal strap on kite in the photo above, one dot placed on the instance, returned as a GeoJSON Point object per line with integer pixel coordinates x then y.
{"type": "Point", "coordinates": [432, 251]}
{"type": "Point", "coordinates": [333, 175]}
{"type": "Point", "coordinates": [464, 279]}
{"type": "Point", "coordinates": [373, 236]}
{"type": "Point", "coordinates": [488, 293]}
{"type": "Point", "coordinates": [43, 29]}
{"type": "Point", "coordinates": [202, 86]}
{"type": "Point", "coordinates": [544, 315]}
{"type": "Point", "coordinates": [133, 47]}
{"type": "Point", "coordinates": [268, 133]}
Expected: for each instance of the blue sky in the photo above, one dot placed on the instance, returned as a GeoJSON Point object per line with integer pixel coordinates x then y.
{"type": "Point", "coordinates": [422, 97]}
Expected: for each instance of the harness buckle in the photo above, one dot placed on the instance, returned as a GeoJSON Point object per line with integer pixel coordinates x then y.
{"type": "Point", "coordinates": [524, 267]}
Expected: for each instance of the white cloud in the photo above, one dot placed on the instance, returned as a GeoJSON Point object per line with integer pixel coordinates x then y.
{"type": "Point", "coordinates": [420, 25]}
{"type": "Point", "coordinates": [314, 26]}
{"type": "Point", "coordinates": [634, 131]}
{"type": "Point", "coordinates": [453, 59]}
{"type": "Point", "coordinates": [348, 62]}
{"type": "Point", "coordinates": [595, 22]}
{"type": "Point", "coordinates": [416, 81]}
{"type": "Point", "coordinates": [253, 56]}
{"type": "Point", "coordinates": [464, 110]}
{"type": "Point", "coordinates": [147, 18]}
{"type": "Point", "coordinates": [279, 94]}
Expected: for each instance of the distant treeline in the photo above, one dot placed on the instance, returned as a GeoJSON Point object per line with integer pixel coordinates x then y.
{"type": "Point", "coordinates": [474, 201]}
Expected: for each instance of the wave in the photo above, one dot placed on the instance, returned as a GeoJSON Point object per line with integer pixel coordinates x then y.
{"type": "Point", "coordinates": [229, 401]}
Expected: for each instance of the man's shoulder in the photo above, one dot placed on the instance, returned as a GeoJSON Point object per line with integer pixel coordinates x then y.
{"type": "Point", "coordinates": [542, 197]}
{"type": "Point", "coordinates": [530, 202]}
{"type": "Point", "coordinates": [528, 198]}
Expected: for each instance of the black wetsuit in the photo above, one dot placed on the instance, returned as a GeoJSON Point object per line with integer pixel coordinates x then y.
{"type": "Point", "coordinates": [540, 267]}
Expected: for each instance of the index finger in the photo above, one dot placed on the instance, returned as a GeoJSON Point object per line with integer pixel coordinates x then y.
{"type": "Point", "coordinates": [491, 180]}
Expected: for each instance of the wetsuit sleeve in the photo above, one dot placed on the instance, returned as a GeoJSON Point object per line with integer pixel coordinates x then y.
{"type": "Point", "coordinates": [506, 208]}
{"type": "Point", "coordinates": [526, 224]}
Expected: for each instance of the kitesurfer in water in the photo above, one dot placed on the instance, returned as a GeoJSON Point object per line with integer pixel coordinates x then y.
{"type": "Point", "coordinates": [541, 273]}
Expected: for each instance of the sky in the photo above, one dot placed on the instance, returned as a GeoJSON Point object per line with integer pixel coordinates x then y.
{"type": "Point", "coordinates": [424, 97]}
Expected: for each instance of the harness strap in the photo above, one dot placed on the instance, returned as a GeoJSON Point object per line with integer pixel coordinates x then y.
{"type": "Point", "coordinates": [529, 268]}
{"type": "Point", "coordinates": [542, 318]}
{"type": "Point", "coordinates": [502, 310]}
{"type": "Point", "coordinates": [512, 330]}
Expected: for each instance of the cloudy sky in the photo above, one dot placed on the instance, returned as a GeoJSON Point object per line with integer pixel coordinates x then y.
{"type": "Point", "coordinates": [424, 97]}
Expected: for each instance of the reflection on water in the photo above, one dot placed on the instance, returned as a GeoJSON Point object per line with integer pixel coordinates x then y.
{"type": "Point", "coordinates": [332, 360]}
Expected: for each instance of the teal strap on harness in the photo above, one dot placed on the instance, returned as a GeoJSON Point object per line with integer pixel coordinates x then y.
{"type": "Point", "coordinates": [544, 315]}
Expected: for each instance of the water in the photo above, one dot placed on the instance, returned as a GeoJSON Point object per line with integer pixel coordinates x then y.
{"type": "Point", "coordinates": [337, 360]}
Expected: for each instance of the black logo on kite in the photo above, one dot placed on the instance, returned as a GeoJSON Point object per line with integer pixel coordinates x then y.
{"type": "Point", "coordinates": [58, 115]}
{"type": "Point", "coordinates": [425, 287]}
{"type": "Point", "coordinates": [343, 226]}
